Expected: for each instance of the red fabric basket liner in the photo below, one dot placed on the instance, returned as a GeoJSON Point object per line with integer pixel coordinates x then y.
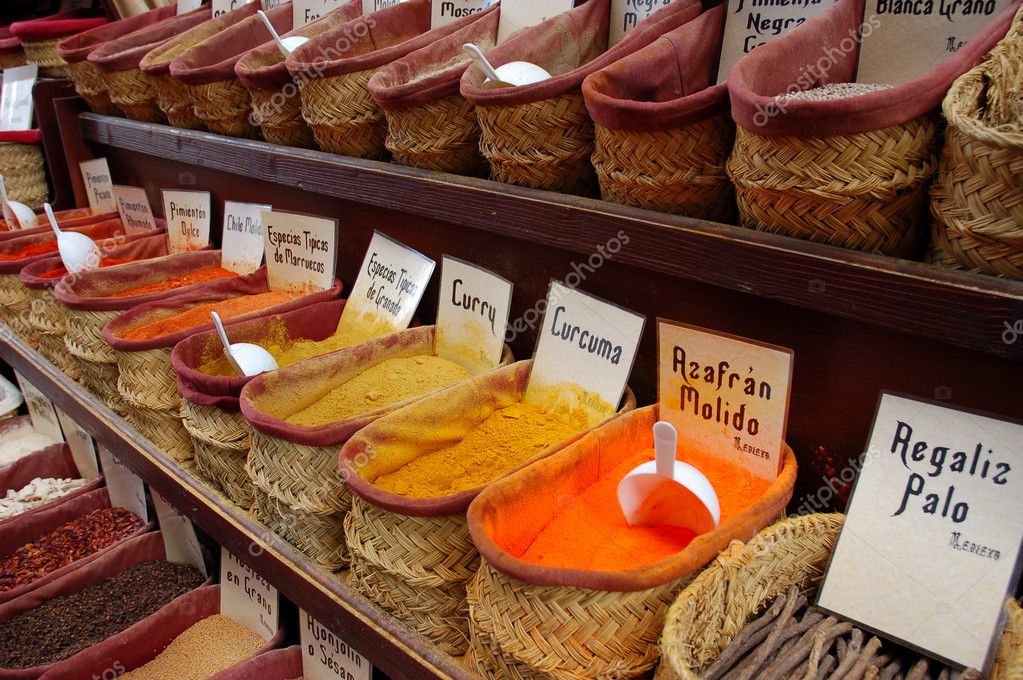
{"type": "Point", "coordinates": [21, 136]}
{"type": "Point", "coordinates": [571, 46]}
{"type": "Point", "coordinates": [107, 234]}
{"type": "Point", "coordinates": [77, 48]}
{"type": "Point", "coordinates": [53, 462]}
{"type": "Point", "coordinates": [665, 85]}
{"type": "Point", "coordinates": [32, 526]}
{"type": "Point", "coordinates": [66, 219]}
{"type": "Point", "coordinates": [770, 70]}
{"type": "Point", "coordinates": [257, 77]}
{"type": "Point", "coordinates": [145, 640]}
{"type": "Point", "coordinates": [279, 664]}
{"type": "Point", "coordinates": [137, 247]}
{"type": "Point", "coordinates": [254, 284]}
{"type": "Point", "coordinates": [57, 25]}
{"type": "Point", "coordinates": [160, 63]}
{"type": "Point", "coordinates": [9, 41]}
{"type": "Point", "coordinates": [434, 72]}
{"type": "Point", "coordinates": [126, 52]}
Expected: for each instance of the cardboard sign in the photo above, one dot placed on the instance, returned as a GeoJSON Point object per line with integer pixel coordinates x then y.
{"type": "Point", "coordinates": [389, 286]}
{"type": "Point", "coordinates": [325, 656]}
{"type": "Point", "coordinates": [98, 185]}
{"type": "Point", "coordinates": [472, 315]}
{"type": "Point", "coordinates": [752, 23]}
{"type": "Point", "coordinates": [519, 14]}
{"type": "Point", "coordinates": [188, 219]}
{"type": "Point", "coordinates": [247, 597]}
{"type": "Point", "coordinates": [272, 4]}
{"type": "Point", "coordinates": [126, 489]}
{"type": "Point", "coordinates": [242, 243]}
{"type": "Point", "coordinates": [905, 39]}
{"type": "Point", "coordinates": [41, 410]}
{"type": "Point", "coordinates": [301, 251]}
{"type": "Point", "coordinates": [725, 394]}
{"type": "Point", "coordinates": [83, 448]}
{"type": "Point", "coordinates": [186, 6]}
{"type": "Point", "coordinates": [584, 354]}
{"type": "Point", "coordinates": [179, 539]}
{"type": "Point", "coordinates": [221, 7]}
{"type": "Point", "coordinates": [377, 5]}
{"type": "Point", "coordinates": [134, 209]}
{"type": "Point", "coordinates": [444, 12]}
{"type": "Point", "coordinates": [626, 15]}
{"type": "Point", "coordinates": [16, 97]}
{"type": "Point", "coordinates": [930, 548]}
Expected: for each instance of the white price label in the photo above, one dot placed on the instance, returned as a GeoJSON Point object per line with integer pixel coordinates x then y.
{"type": "Point", "coordinates": [247, 597]}
{"type": "Point", "coordinates": [472, 315]}
{"type": "Point", "coordinates": [519, 14]}
{"type": "Point", "coordinates": [325, 656]}
{"type": "Point", "coordinates": [83, 448]}
{"type": "Point", "coordinates": [188, 219]}
{"type": "Point", "coordinates": [627, 14]}
{"type": "Point", "coordinates": [450, 11]}
{"type": "Point", "coordinates": [126, 489]}
{"type": "Point", "coordinates": [307, 11]}
{"type": "Point", "coordinates": [186, 6]}
{"type": "Point", "coordinates": [134, 209]}
{"type": "Point", "coordinates": [301, 251]}
{"type": "Point", "coordinates": [377, 5]}
{"type": "Point", "coordinates": [179, 539]}
{"type": "Point", "coordinates": [41, 410]}
{"type": "Point", "coordinates": [221, 7]}
{"type": "Point", "coordinates": [243, 244]}
{"type": "Point", "coordinates": [16, 97]}
{"type": "Point", "coordinates": [98, 185]}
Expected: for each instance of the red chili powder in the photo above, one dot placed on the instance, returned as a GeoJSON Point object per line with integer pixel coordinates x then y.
{"type": "Point", "coordinates": [179, 281]}
{"type": "Point", "coordinates": [200, 315]}
{"type": "Point", "coordinates": [30, 251]}
{"type": "Point", "coordinates": [59, 272]}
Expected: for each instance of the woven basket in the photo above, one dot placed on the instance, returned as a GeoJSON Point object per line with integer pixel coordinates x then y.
{"type": "Point", "coordinates": [12, 58]}
{"type": "Point", "coordinates": [44, 54]}
{"type": "Point", "coordinates": [176, 101]}
{"type": "Point", "coordinates": [48, 319]}
{"type": "Point", "coordinates": [148, 385]}
{"type": "Point", "coordinates": [280, 119]}
{"type": "Point", "coordinates": [977, 200]}
{"type": "Point", "coordinates": [15, 304]}
{"type": "Point", "coordinates": [440, 135]}
{"type": "Point", "coordinates": [24, 173]}
{"type": "Point", "coordinates": [91, 84]}
{"type": "Point", "coordinates": [224, 108]}
{"type": "Point", "coordinates": [136, 94]}
{"type": "Point", "coordinates": [343, 116]}
{"type": "Point", "coordinates": [220, 441]}
{"type": "Point", "coordinates": [96, 360]}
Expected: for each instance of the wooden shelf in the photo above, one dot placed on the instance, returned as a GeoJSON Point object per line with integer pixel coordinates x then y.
{"type": "Point", "coordinates": [386, 642]}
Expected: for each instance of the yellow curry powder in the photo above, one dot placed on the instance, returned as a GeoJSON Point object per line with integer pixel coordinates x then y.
{"type": "Point", "coordinates": [389, 382]}
{"type": "Point", "coordinates": [503, 441]}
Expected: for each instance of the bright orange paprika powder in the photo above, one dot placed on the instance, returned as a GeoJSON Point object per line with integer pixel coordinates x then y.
{"type": "Point", "coordinates": [170, 283]}
{"type": "Point", "coordinates": [30, 251]}
{"type": "Point", "coordinates": [59, 272]}
{"type": "Point", "coordinates": [200, 315]}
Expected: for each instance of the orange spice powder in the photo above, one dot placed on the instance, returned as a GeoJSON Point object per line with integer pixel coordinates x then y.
{"type": "Point", "coordinates": [591, 531]}
{"type": "Point", "coordinates": [30, 251]}
{"type": "Point", "coordinates": [172, 282]}
{"type": "Point", "coordinates": [59, 272]}
{"type": "Point", "coordinates": [200, 315]}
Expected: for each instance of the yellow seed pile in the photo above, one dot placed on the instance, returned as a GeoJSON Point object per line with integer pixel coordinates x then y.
{"type": "Point", "coordinates": [208, 647]}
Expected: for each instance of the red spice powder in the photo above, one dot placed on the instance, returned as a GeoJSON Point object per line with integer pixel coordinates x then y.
{"type": "Point", "coordinates": [172, 282]}
{"type": "Point", "coordinates": [30, 251]}
{"type": "Point", "coordinates": [200, 315]}
{"type": "Point", "coordinates": [59, 272]}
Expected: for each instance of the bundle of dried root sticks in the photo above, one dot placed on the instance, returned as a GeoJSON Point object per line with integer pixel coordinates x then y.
{"type": "Point", "coordinates": [793, 641]}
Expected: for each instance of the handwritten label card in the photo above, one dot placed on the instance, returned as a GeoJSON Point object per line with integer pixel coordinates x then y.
{"type": "Point", "coordinates": [725, 394]}
{"type": "Point", "coordinates": [307, 11]}
{"type": "Point", "coordinates": [325, 656]}
{"type": "Point", "coordinates": [626, 15]}
{"type": "Point", "coordinates": [906, 39]}
{"type": "Point", "coordinates": [186, 6]}
{"type": "Point", "coordinates": [247, 597]}
{"type": "Point", "coordinates": [126, 489]}
{"type": "Point", "coordinates": [243, 243]}
{"type": "Point", "coordinates": [930, 548]}
{"type": "Point", "coordinates": [301, 251]}
{"type": "Point", "coordinates": [584, 354]}
{"type": "Point", "coordinates": [472, 315]}
{"type": "Point", "coordinates": [388, 288]}
{"type": "Point", "coordinates": [40, 409]}
{"type": "Point", "coordinates": [445, 12]}
{"type": "Point", "coordinates": [83, 448]}
{"type": "Point", "coordinates": [272, 4]}
{"type": "Point", "coordinates": [519, 14]}
{"type": "Point", "coordinates": [98, 185]}
{"type": "Point", "coordinates": [16, 97]}
{"type": "Point", "coordinates": [188, 219]}
{"type": "Point", "coordinates": [134, 209]}
{"type": "Point", "coordinates": [752, 23]}
{"type": "Point", "coordinates": [377, 5]}
{"type": "Point", "coordinates": [179, 537]}
{"type": "Point", "coordinates": [221, 7]}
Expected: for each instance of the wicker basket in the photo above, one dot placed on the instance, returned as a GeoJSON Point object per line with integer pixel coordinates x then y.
{"type": "Point", "coordinates": [93, 87]}
{"type": "Point", "coordinates": [441, 135]}
{"type": "Point", "coordinates": [148, 387]}
{"type": "Point", "coordinates": [712, 610]}
{"type": "Point", "coordinates": [24, 173]}
{"type": "Point", "coordinates": [97, 363]}
{"type": "Point", "coordinates": [220, 442]}
{"type": "Point", "coordinates": [43, 53]}
{"type": "Point", "coordinates": [11, 53]}
{"type": "Point", "coordinates": [343, 116]}
{"type": "Point", "coordinates": [977, 200]}
{"type": "Point", "coordinates": [48, 319]}
{"type": "Point", "coordinates": [15, 304]}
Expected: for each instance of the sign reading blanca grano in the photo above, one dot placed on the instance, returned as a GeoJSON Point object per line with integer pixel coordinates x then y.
{"type": "Point", "coordinates": [752, 23]}
{"type": "Point", "coordinates": [910, 38]}
{"type": "Point", "coordinates": [445, 12]}
{"type": "Point", "coordinates": [325, 656]}
{"type": "Point", "coordinates": [626, 15]}
{"type": "Point", "coordinates": [301, 251]}
{"type": "Point", "coordinates": [188, 219]}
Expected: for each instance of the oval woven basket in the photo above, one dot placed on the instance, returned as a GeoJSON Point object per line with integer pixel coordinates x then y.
{"type": "Point", "coordinates": [977, 200]}
{"type": "Point", "coordinates": [48, 320]}
{"type": "Point", "coordinates": [15, 304]}
{"type": "Point", "coordinates": [440, 135]}
{"type": "Point", "coordinates": [24, 173]}
{"type": "Point", "coordinates": [148, 385]}
{"type": "Point", "coordinates": [93, 87]}
{"type": "Point", "coordinates": [343, 116]}
{"type": "Point", "coordinates": [97, 363]}
{"type": "Point", "coordinates": [43, 53]}
{"type": "Point", "coordinates": [220, 443]}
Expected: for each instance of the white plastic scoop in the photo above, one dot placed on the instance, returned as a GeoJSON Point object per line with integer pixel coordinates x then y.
{"type": "Point", "coordinates": [512, 74]}
{"type": "Point", "coordinates": [666, 491]}
{"type": "Point", "coordinates": [286, 45]}
{"type": "Point", "coordinates": [18, 215]}
{"type": "Point", "coordinates": [247, 359]}
{"type": "Point", "coordinates": [78, 252]}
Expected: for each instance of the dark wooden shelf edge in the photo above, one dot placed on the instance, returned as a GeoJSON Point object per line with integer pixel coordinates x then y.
{"type": "Point", "coordinates": [385, 641]}
{"type": "Point", "coordinates": [958, 308]}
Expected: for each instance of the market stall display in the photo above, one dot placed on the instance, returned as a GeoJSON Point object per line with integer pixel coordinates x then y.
{"type": "Point", "coordinates": [40, 37]}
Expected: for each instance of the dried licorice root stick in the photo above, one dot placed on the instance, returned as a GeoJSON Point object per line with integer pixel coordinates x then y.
{"type": "Point", "coordinates": [891, 670]}
{"type": "Point", "coordinates": [786, 662]}
{"type": "Point", "coordinates": [752, 664]}
{"type": "Point", "coordinates": [821, 643]}
{"type": "Point", "coordinates": [852, 651]}
{"type": "Point", "coordinates": [865, 659]}
{"type": "Point", "coordinates": [747, 638]}
{"type": "Point", "coordinates": [918, 671]}
{"type": "Point", "coordinates": [828, 664]}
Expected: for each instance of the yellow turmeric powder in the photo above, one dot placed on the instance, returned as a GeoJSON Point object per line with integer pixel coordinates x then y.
{"type": "Point", "coordinates": [506, 439]}
{"type": "Point", "coordinates": [389, 382]}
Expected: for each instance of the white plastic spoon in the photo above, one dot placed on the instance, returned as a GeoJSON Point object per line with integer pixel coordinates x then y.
{"type": "Point", "coordinates": [287, 45]}
{"type": "Point", "coordinates": [512, 74]}
{"type": "Point", "coordinates": [18, 215]}
{"type": "Point", "coordinates": [78, 252]}
{"type": "Point", "coordinates": [666, 491]}
{"type": "Point", "coordinates": [247, 359]}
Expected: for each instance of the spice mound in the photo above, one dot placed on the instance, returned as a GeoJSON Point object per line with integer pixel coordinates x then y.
{"type": "Point", "coordinates": [590, 531]}
{"type": "Point", "coordinates": [60, 628]}
{"type": "Point", "coordinates": [208, 647]}
{"type": "Point", "coordinates": [22, 441]}
{"type": "Point", "coordinates": [59, 272]}
{"type": "Point", "coordinates": [179, 281]}
{"type": "Point", "coordinates": [200, 315]}
{"type": "Point", "coordinates": [30, 251]}
{"type": "Point", "coordinates": [78, 538]}
{"type": "Point", "coordinates": [389, 382]}
{"type": "Point", "coordinates": [506, 439]}
{"type": "Point", "coordinates": [35, 493]}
